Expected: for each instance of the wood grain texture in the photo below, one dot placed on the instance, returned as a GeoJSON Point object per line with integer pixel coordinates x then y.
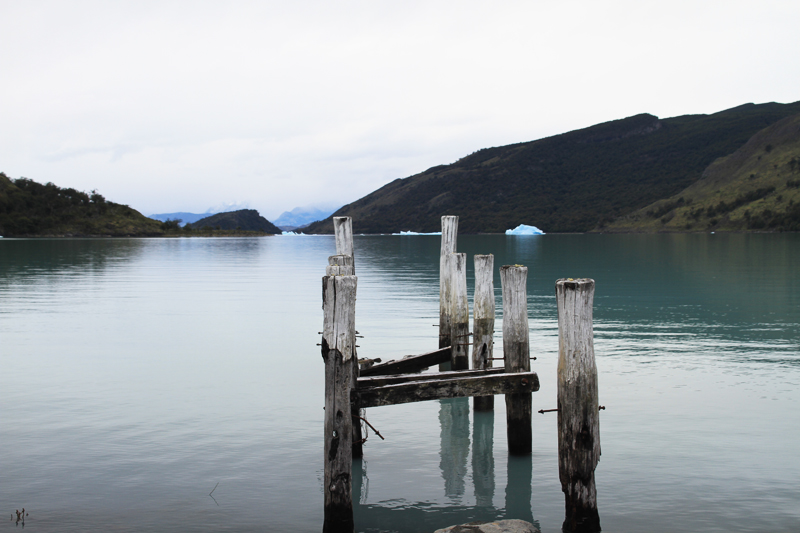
{"type": "Point", "coordinates": [377, 381]}
{"type": "Point", "coordinates": [343, 229]}
{"type": "Point", "coordinates": [483, 315]}
{"type": "Point", "coordinates": [578, 404]}
{"type": "Point", "coordinates": [410, 363]}
{"type": "Point", "coordinates": [340, 265]}
{"type": "Point", "coordinates": [516, 354]}
{"type": "Point", "coordinates": [338, 352]}
{"type": "Point", "coordinates": [448, 246]}
{"type": "Point", "coordinates": [456, 387]}
{"type": "Point", "coordinates": [459, 311]}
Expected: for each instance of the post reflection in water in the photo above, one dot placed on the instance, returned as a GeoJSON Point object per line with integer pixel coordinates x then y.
{"type": "Point", "coordinates": [402, 516]}
{"type": "Point", "coordinates": [483, 457]}
{"type": "Point", "coordinates": [454, 420]}
{"type": "Point", "coordinates": [518, 489]}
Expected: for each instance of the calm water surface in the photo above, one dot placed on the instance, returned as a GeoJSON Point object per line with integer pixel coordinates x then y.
{"type": "Point", "coordinates": [137, 375]}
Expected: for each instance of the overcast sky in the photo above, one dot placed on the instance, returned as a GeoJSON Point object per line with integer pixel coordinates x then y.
{"type": "Point", "coordinates": [181, 106]}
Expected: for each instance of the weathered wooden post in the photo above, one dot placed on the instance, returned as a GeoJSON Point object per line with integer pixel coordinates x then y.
{"type": "Point", "coordinates": [338, 352]}
{"type": "Point", "coordinates": [483, 323]}
{"type": "Point", "coordinates": [345, 260]}
{"type": "Point", "coordinates": [578, 409]}
{"type": "Point", "coordinates": [516, 353]}
{"type": "Point", "coordinates": [343, 229]}
{"type": "Point", "coordinates": [459, 311]}
{"type": "Point", "coordinates": [449, 234]}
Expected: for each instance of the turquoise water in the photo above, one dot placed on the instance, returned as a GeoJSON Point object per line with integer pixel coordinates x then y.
{"type": "Point", "coordinates": [140, 374]}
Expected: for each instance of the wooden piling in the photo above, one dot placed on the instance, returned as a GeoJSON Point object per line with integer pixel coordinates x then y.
{"type": "Point", "coordinates": [343, 229]}
{"type": "Point", "coordinates": [516, 354]}
{"type": "Point", "coordinates": [449, 235]}
{"type": "Point", "coordinates": [338, 352]}
{"type": "Point", "coordinates": [459, 311]}
{"type": "Point", "coordinates": [343, 264]}
{"type": "Point", "coordinates": [483, 323]}
{"type": "Point", "coordinates": [578, 409]}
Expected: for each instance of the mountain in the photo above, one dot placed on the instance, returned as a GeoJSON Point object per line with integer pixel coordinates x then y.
{"type": "Point", "coordinates": [185, 218]}
{"type": "Point", "coordinates": [244, 219]}
{"type": "Point", "coordinates": [572, 182]}
{"type": "Point", "coordinates": [29, 209]}
{"type": "Point", "coordinates": [755, 188]}
{"type": "Point", "coordinates": [302, 216]}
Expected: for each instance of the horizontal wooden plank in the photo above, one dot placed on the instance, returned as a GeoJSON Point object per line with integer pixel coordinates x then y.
{"type": "Point", "coordinates": [411, 363]}
{"type": "Point", "coordinates": [378, 381]}
{"type": "Point", "coordinates": [455, 387]}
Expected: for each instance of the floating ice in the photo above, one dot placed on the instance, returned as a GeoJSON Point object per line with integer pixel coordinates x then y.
{"type": "Point", "coordinates": [416, 233]}
{"type": "Point", "coordinates": [524, 229]}
{"type": "Point", "coordinates": [291, 233]}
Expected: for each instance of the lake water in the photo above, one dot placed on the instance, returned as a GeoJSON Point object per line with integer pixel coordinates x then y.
{"type": "Point", "coordinates": [139, 375]}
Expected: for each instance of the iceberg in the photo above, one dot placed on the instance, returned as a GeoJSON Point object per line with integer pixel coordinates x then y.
{"type": "Point", "coordinates": [415, 233]}
{"type": "Point", "coordinates": [524, 229]}
{"type": "Point", "coordinates": [292, 233]}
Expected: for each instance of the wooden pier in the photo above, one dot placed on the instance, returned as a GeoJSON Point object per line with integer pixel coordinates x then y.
{"type": "Point", "coordinates": [349, 388]}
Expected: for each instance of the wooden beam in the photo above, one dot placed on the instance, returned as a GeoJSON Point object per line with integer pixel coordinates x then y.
{"type": "Point", "coordinates": [459, 387]}
{"type": "Point", "coordinates": [408, 364]}
{"type": "Point", "coordinates": [378, 381]}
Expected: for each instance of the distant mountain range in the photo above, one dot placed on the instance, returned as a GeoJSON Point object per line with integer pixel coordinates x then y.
{"type": "Point", "coordinates": [585, 180]}
{"type": "Point", "coordinates": [185, 218]}
{"type": "Point", "coordinates": [300, 217]}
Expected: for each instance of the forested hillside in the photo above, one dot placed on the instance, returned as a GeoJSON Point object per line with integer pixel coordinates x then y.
{"type": "Point", "coordinates": [28, 208]}
{"type": "Point", "coordinates": [574, 182]}
{"type": "Point", "coordinates": [756, 188]}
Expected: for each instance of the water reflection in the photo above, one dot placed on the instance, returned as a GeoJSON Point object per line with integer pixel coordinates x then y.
{"type": "Point", "coordinates": [23, 259]}
{"type": "Point", "coordinates": [483, 457]}
{"type": "Point", "coordinates": [518, 489]}
{"type": "Point", "coordinates": [454, 422]}
{"type": "Point", "coordinates": [456, 445]}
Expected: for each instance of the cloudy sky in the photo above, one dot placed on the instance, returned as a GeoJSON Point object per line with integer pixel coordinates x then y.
{"type": "Point", "coordinates": [181, 106]}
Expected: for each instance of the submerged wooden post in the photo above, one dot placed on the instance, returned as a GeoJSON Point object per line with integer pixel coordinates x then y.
{"type": "Point", "coordinates": [343, 228]}
{"type": "Point", "coordinates": [338, 352]}
{"type": "Point", "coordinates": [578, 409]}
{"type": "Point", "coordinates": [459, 312]}
{"type": "Point", "coordinates": [516, 352]}
{"type": "Point", "coordinates": [449, 234]}
{"type": "Point", "coordinates": [483, 323]}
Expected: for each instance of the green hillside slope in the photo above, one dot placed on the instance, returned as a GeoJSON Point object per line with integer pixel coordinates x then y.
{"type": "Point", "coordinates": [572, 182]}
{"type": "Point", "coordinates": [755, 188]}
{"type": "Point", "coordinates": [28, 208]}
{"type": "Point", "coordinates": [244, 220]}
